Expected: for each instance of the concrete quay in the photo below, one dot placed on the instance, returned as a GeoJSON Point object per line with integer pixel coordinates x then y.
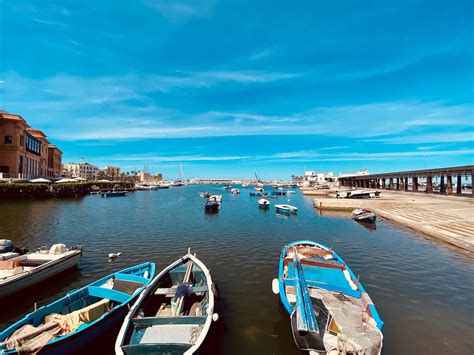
{"type": "Point", "coordinates": [449, 219]}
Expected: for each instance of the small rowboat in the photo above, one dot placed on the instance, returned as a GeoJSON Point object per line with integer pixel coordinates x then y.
{"type": "Point", "coordinates": [365, 216]}
{"type": "Point", "coordinates": [115, 193]}
{"type": "Point", "coordinates": [288, 209]}
{"type": "Point", "coordinates": [174, 314]}
{"type": "Point", "coordinates": [235, 191]}
{"type": "Point", "coordinates": [18, 272]}
{"type": "Point", "coordinates": [263, 203]}
{"type": "Point", "coordinates": [212, 206]}
{"type": "Point", "coordinates": [330, 311]}
{"type": "Point", "coordinates": [79, 319]}
{"type": "Point", "coordinates": [205, 194]}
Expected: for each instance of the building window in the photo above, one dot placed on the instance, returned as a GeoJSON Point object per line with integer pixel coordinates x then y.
{"type": "Point", "coordinates": [22, 140]}
{"type": "Point", "coordinates": [8, 139]}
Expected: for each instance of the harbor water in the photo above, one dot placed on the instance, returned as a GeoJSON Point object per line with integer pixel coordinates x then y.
{"type": "Point", "coordinates": [422, 289]}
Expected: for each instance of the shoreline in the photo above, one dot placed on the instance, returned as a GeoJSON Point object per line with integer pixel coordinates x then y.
{"type": "Point", "coordinates": [448, 219]}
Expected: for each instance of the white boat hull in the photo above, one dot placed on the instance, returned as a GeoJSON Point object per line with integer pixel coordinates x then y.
{"type": "Point", "coordinates": [16, 283]}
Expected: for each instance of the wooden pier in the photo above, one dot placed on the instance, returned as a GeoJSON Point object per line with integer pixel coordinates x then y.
{"type": "Point", "coordinates": [416, 180]}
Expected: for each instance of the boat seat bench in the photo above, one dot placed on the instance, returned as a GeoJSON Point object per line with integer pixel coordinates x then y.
{"type": "Point", "coordinates": [171, 291]}
{"type": "Point", "coordinates": [113, 295]}
{"type": "Point", "coordinates": [149, 321]}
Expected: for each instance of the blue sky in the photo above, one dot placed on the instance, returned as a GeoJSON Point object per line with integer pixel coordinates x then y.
{"type": "Point", "coordinates": [229, 88]}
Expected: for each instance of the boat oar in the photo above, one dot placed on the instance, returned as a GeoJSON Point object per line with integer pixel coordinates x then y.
{"type": "Point", "coordinates": [187, 276]}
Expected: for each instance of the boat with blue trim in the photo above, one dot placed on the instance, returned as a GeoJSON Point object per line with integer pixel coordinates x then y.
{"type": "Point", "coordinates": [330, 312]}
{"type": "Point", "coordinates": [287, 209]}
{"type": "Point", "coordinates": [80, 319]}
{"type": "Point", "coordinates": [263, 203]}
{"type": "Point", "coordinates": [174, 314]}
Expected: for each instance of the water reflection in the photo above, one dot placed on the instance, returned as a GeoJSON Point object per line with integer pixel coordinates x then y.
{"type": "Point", "coordinates": [422, 289]}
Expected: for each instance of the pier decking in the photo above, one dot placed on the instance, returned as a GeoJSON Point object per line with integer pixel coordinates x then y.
{"type": "Point", "coordinates": [440, 217]}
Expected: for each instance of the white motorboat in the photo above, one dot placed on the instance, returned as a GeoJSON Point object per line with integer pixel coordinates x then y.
{"type": "Point", "coordinates": [18, 272]}
{"type": "Point", "coordinates": [235, 191]}
{"type": "Point", "coordinates": [286, 209]}
{"type": "Point", "coordinates": [263, 203]}
{"type": "Point", "coordinates": [217, 198]}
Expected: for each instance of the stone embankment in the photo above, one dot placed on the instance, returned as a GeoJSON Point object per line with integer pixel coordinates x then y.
{"type": "Point", "coordinates": [21, 190]}
{"type": "Point", "coordinates": [446, 218]}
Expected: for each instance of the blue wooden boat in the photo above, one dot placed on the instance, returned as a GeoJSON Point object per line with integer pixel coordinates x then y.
{"type": "Point", "coordinates": [329, 309]}
{"type": "Point", "coordinates": [80, 319]}
{"type": "Point", "coordinates": [174, 314]}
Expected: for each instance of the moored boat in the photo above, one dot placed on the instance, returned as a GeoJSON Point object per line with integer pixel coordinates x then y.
{"type": "Point", "coordinates": [174, 314]}
{"type": "Point", "coordinates": [19, 271]}
{"type": "Point", "coordinates": [235, 191]}
{"type": "Point", "coordinates": [212, 206]}
{"type": "Point", "coordinates": [288, 209]}
{"type": "Point", "coordinates": [115, 193]}
{"type": "Point", "coordinates": [80, 318]}
{"type": "Point", "coordinates": [330, 311]}
{"type": "Point", "coordinates": [263, 203]}
{"type": "Point", "coordinates": [362, 215]}
{"type": "Point", "coordinates": [204, 194]}
{"type": "Point", "coordinates": [227, 187]}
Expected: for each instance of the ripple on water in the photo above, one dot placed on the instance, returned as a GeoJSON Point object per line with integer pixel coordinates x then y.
{"type": "Point", "coordinates": [422, 290]}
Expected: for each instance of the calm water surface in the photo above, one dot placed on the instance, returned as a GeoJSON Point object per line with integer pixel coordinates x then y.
{"type": "Point", "coordinates": [423, 290]}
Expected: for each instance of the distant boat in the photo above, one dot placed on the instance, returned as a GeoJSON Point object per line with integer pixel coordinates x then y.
{"type": "Point", "coordinates": [143, 187]}
{"type": "Point", "coordinates": [227, 187]}
{"type": "Point", "coordinates": [205, 194]}
{"type": "Point", "coordinates": [354, 193]}
{"type": "Point", "coordinates": [217, 198]}
{"type": "Point", "coordinates": [244, 186]}
{"type": "Point", "coordinates": [258, 189]}
{"type": "Point", "coordinates": [174, 314]}
{"type": "Point", "coordinates": [212, 205]}
{"type": "Point", "coordinates": [290, 192]}
{"type": "Point", "coordinates": [80, 318]}
{"type": "Point", "coordinates": [330, 312]}
{"type": "Point", "coordinates": [288, 209]}
{"type": "Point", "coordinates": [163, 185]}
{"type": "Point", "coordinates": [362, 215]}
{"type": "Point", "coordinates": [19, 271]}
{"type": "Point", "coordinates": [263, 203]}
{"type": "Point", "coordinates": [258, 193]}
{"type": "Point", "coordinates": [115, 193]}
{"type": "Point", "coordinates": [235, 191]}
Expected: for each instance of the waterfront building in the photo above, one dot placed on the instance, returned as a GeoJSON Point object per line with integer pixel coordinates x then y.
{"type": "Point", "coordinates": [111, 171]}
{"type": "Point", "coordinates": [81, 170]}
{"type": "Point", "coordinates": [25, 152]}
{"type": "Point", "coordinates": [147, 177]}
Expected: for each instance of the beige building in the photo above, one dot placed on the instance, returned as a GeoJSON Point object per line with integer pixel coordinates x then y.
{"type": "Point", "coordinates": [147, 177]}
{"type": "Point", "coordinates": [24, 151]}
{"type": "Point", "coordinates": [81, 170]}
{"type": "Point", "coordinates": [111, 171]}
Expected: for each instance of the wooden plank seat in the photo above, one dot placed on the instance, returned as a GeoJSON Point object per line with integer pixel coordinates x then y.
{"type": "Point", "coordinates": [171, 291]}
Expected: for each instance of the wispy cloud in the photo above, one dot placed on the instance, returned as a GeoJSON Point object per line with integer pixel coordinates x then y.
{"type": "Point", "coordinates": [48, 22]}
{"type": "Point", "coordinates": [180, 11]}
